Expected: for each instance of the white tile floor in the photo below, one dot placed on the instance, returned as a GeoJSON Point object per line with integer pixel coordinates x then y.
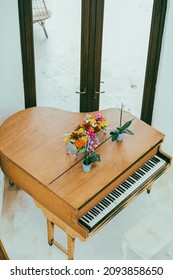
{"type": "Point", "coordinates": [24, 231]}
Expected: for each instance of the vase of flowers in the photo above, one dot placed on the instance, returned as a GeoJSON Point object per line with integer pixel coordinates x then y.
{"type": "Point", "coordinates": [85, 138]}
{"type": "Point", "coordinates": [118, 133]}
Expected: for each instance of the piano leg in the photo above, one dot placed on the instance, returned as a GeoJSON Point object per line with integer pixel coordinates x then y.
{"type": "Point", "coordinates": [50, 232]}
{"type": "Point", "coordinates": [70, 241]}
{"type": "Point", "coordinates": [71, 244]}
{"type": "Point", "coordinates": [53, 220]}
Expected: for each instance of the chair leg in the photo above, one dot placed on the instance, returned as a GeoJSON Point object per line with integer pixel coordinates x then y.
{"type": "Point", "coordinates": [42, 23]}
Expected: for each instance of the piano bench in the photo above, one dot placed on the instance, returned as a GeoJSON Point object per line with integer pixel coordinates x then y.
{"type": "Point", "coordinates": [149, 236]}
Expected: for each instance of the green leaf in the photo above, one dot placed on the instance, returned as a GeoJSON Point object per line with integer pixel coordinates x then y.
{"type": "Point", "coordinates": [122, 129]}
{"type": "Point", "coordinates": [94, 157]}
{"type": "Point", "coordinates": [114, 137]}
{"type": "Point", "coordinates": [129, 132]}
{"type": "Point", "coordinates": [126, 125]}
{"type": "Point", "coordinates": [114, 134]}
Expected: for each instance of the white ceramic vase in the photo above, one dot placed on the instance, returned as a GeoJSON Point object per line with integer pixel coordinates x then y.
{"type": "Point", "coordinates": [120, 137]}
{"type": "Point", "coordinates": [86, 167]}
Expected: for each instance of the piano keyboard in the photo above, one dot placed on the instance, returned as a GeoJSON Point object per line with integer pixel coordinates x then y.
{"type": "Point", "coordinates": [112, 201]}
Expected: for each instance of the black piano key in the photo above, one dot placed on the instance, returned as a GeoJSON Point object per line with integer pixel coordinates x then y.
{"type": "Point", "coordinates": [132, 181]}
{"type": "Point", "coordinates": [107, 201]}
{"type": "Point", "coordinates": [125, 185]}
{"type": "Point", "coordinates": [89, 216]}
{"type": "Point", "coordinates": [96, 210]}
{"type": "Point", "coordinates": [100, 207]}
{"type": "Point", "coordinates": [123, 188]}
{"type": "Point", "coordinates": [104, 204]}
{"type": "Point", "coordinates": [135, 176]}
{"type": "Point", "coordinates": [116, 194]}
{"type": "Point", "coordinates": [148, 167]}
{"type": "Point", "coordinates": [155, 160]}
{"type": "Point", "coordinates": [150, 163]}
{"type": "Point", "coordinates": [140, 172]}
{"type": "Point", "coordinates": [87, 221]}
{"type": "Point", "coordinates": [145, 168]}
{"type": "Point", "coordinates": [110, 198]}
{"type": "Point", "coordinates": [93, 212]}
{"type": "Point", "coordinates": [120, 189]}
{"type": "Point", "coordinates": [113, 197]}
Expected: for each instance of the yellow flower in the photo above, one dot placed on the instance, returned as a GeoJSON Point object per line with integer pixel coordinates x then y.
{"type": "Point", "coordinates": [67, 139]}
{"type": "Point", "coordinates": [92, 121]}
{"type": "Point", "coordinates": [81, 130]}
{"type": "Point", "coordinates": [85, 138]}
{"type": "Point", "coordinates": [104, 123]}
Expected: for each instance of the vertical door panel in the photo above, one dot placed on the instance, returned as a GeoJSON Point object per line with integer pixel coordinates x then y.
{"type": "Point", "coordinates": [57, 58]}
{"type": "Point", "coordinates": [124, 55]}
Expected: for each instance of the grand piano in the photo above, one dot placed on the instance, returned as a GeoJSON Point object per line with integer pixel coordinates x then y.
{"type": "Point", "coordinates": [33, 156]}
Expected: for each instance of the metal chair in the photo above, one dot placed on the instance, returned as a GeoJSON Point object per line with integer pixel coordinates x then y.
{"type": "Point", "coordinates": [40, 13]}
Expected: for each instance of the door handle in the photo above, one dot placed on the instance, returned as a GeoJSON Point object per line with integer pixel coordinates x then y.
{"type": "Point", "coordinates": [81, 92]}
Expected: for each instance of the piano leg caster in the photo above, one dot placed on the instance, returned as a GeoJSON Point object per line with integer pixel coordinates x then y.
{"type": "Point", "coordinates": [50, 243]}
{"type": "Point", "coordinates": [149, 188]}
{"type": "Point", "coordinates": [11, 184]}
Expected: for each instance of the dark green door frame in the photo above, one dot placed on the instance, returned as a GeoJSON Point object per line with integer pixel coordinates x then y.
{"type": "Point", "coordinates": [154, 50]}
{"type": "Point", "coordinates": [91, 46]}
{"type": "Point", "coordinates": [27, 50]}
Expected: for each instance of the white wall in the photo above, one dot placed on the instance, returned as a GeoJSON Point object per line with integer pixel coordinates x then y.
{"type": "Point", "coordinates": [11, 83]}
{"type": "Point", "coordinates": [11, 80]}
{"type": "Point", "coordinates": [163, 108]}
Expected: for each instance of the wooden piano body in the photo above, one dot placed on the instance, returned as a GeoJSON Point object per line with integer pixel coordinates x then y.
{"type": "Point", "coordinates": [33, 155]}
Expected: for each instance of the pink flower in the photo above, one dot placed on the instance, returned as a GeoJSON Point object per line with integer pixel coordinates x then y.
{"type": "Point", "coordinates": [98, 117]}
{"type": "Point", "coordinates": [91, 134]}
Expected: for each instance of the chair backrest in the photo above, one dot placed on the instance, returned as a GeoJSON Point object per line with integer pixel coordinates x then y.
{"type": "Point", "coordinates": [40, 11]}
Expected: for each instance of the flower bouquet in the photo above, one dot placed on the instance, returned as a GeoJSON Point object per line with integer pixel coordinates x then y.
{"type": "Point", "coordinates": [84, 139]}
